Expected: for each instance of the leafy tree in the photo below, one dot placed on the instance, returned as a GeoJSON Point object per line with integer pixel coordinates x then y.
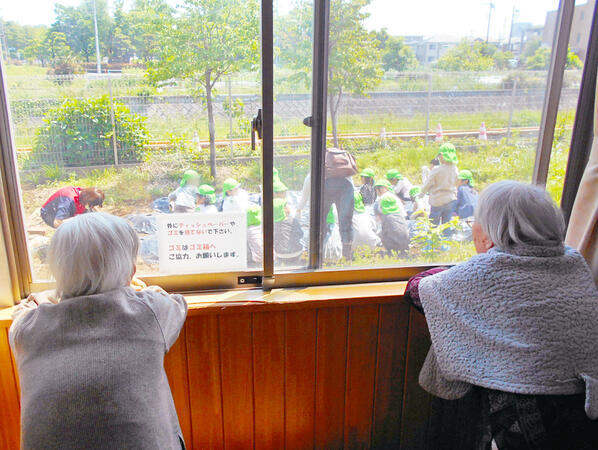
{"type": "Point", "coordinates": [76, 22]}
{"type": "Point", "coordinates": [141, 23]}
{"type": "Point", "coordinates": [540, 60]}
{"type": "Point", "coordinates": [354, 53]}
{"type": "Point", "coordinates": [19, 37]}
{"type": "Point", "coordinates": [471, 56]}
{"type": "Point", "coordinates": [398, 56]}
{"type": "Point", "coordinates": [208, 39]}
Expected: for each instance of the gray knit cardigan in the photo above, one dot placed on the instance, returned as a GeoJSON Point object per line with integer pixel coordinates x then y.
{"type": "Point", "coordinates": [523, 321]}
{"type": "Point", "coordinates": [92, 374]}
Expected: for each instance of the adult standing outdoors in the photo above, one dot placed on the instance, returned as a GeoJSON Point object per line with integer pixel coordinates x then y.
{"type": "Point", "coordinates": [441, 185]}
{"type": "Point", "coordinates": [70, 201]}
{"type": "Point", "coordinates": [339, 190]}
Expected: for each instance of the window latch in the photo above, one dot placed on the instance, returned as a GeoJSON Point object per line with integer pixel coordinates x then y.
{"type": "Point", "coordinates": [308, 121]}
{"type": "Point", "coordinates": [256, 127]}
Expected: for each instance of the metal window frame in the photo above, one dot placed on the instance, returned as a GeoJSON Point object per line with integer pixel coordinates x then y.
{"type": "Point", "coordinates": [583, 127]}
{"type": "Point", "coordinates": [560, 47]}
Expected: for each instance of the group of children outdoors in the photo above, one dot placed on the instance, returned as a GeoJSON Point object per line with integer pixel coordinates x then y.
{"type": "Point", "coordinates": [385, 209]}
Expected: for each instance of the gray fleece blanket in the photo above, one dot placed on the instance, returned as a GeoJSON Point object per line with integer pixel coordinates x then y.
{"type": "Point", "coordinates": [523, 321]}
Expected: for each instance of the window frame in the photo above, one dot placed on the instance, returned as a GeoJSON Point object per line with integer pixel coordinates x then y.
{"type": "Point", "coordinates": [12, 214]}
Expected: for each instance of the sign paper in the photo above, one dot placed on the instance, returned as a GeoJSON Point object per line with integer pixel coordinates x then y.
{"type": "Point", "coordinates": [196, 243]}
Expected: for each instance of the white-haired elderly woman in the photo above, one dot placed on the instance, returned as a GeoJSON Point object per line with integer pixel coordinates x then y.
{"type": "Point", "coordinates": [91, 357]}
{"type": "Point", "coordinates": [519, 322]}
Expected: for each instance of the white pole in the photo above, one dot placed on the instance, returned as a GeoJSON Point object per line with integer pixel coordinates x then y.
{"type": "Point", "coordinates": [95, 25]}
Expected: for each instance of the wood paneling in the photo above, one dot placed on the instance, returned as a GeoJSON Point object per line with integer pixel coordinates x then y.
{"type": "Point", "coordinates": [300, 378]}
{"type": "Point", "coordinates": [10, 410]}
{"type": "Point", "coordinates": [331, 362]}
{"type": "Point", "coordinates": [175, 364]}
{"type": "Point", "coordinates": [361, 375]}
{"type": "Point", "coordinates": [269, 379]}
{"type": "Point", "coordinates": [309, 375]}
{"type": "Point", "coordinates": [390, 375]}
{"type": "Point", "coordinates": [236, 364]}
{"type": "Point", "coordinates": [205, 397]}
{"type": "Point", "coordinates": [416, 402]}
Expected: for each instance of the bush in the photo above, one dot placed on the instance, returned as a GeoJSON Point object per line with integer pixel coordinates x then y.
{"type": "Point", "coordinates": [78, 133]}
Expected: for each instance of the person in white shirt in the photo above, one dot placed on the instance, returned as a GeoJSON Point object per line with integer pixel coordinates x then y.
{"type": "Point", "coordinates": [206, 200]}
{"type": "Point", "coordinates": [235, 198]}
{"type": "Point", "coordinates": [184, 197]}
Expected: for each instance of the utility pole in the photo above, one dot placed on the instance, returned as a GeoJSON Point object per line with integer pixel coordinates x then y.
{"type": "Point", "coordinates": [489, 17]}
{"type": "Point", "coordinates": [515, 11]}
{"type": "Point", "coordinates": [95, 25]}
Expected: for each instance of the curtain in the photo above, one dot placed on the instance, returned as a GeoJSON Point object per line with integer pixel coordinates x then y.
{"type": "Point", "coordinates": [583, 225]}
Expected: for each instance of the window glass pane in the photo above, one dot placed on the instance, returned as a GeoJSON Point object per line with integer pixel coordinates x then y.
{"type": "Point", "coordinates": [162, 88]}
{"type": "Point", "coordinates": [403, 83]}
{"type": "Point", "coordinates": [293, 42]}
{"type": "Point", "coordinates": [578, 42]}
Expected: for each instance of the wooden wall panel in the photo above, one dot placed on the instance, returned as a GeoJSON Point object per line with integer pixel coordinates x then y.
{"type": "Point", "coordinates": [269, 379]}
{"type": "Point", "coordinates": [361, 375]}
{"type": "Point", "coordinates": [10, 410]}
{"type": "Point", "coordinates": [331, 362]}
{"type": "Point", "coordinates": [300, 379]}
{"type": "Point", "coordinates": [236, 363]}
{"type": "Point", "coordinates": [175, 364]}
{"type": "Point", "coordinates": [205, 394]}
{"type": "Point", "coordinates": [416, 403]}
{"type": "Point", "coordinates": [390, 375]}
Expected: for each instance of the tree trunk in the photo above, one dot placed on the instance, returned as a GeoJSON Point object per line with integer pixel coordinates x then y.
{"type": "Point", "coordinates": [211, 126]}
{"type": "Point", "coordinates": [333, 106]}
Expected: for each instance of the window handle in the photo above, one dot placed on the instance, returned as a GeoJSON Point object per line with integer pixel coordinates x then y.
{"type": "Point", "coordinates": [308, 121]}
{"type": "Point", "coordinates": [256, 126]}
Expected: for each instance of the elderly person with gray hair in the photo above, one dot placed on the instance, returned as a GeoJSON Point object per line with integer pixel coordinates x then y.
{"type": "Point", "coordinates": [90, 357]}
{"type": "Point", "coordinates": [519, 323]}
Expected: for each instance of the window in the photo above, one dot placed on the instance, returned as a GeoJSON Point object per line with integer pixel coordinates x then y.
{"type": "Point", "coordinates": [131, 108]}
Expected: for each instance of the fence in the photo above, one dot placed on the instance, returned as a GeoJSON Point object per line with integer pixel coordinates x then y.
{"type": "Point", "coordinates": [412, 102]}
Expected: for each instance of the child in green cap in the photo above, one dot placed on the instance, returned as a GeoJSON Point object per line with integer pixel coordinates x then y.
{"type": "Point", "coordinates": [394, 232]}
{"type": "Point", "coordinates": [400, 184]}
{"type": "Point", "coordinates": [235, 198]}
{"type": "Point", "coordinates": [255, 248]}
{"type": "Point", "coordinates": [206, 200]}
{"type": "Point", "coordinates": [367, 190]}
{"type": "Point", "coordinates": [467, 197]}
{"type": "Point", "coordinates": [420, 205]}
{"type": "Point", "coordinates": [280, 189]}
{"type": "Point", "coordinates": [441, 185]}
{"type": "Point", "coordinates": [287, 235]}
{"type": "Point", "coordinates": [183, 198]}
{"type": "Point", "coordinates": [364, 226]}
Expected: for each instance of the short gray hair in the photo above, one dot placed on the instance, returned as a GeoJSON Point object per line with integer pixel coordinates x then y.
{"type": "Point", "coordinates": [92, 253]}
{"type": "Point", "coordinates": [513, 213]}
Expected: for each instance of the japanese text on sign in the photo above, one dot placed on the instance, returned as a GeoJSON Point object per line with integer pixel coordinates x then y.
{"type": "Point", "coordinates": [195, 243]}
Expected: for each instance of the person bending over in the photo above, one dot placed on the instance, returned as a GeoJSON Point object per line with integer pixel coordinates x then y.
{"type": "Point", "coordinates": [90, 356]}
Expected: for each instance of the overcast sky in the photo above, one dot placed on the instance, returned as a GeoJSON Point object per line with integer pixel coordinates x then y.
{"type": "Point", "coordinates": [400, 17]}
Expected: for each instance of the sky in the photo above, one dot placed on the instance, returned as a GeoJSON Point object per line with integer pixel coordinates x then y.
{"type": "Point", "coordinates": [458, 18]}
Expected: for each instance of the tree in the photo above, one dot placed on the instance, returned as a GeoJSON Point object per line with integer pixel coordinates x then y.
{"type": "Point", "coordinates": [76, 22]}
{"type": "Point", "coordinates": [398, 56]}
{"type": "Point", "coordinates": [144, 18]}
{"type": "Point", "coordinates": [540, 60]}
{"type": "Point", "coordinates": [208, 39]}
{"type": "Point", "coordinates": [18, 37]}
{"type": "Point", "coordinates": [468, 56]}
{"type": "Point", "coordinates": [354, 53]}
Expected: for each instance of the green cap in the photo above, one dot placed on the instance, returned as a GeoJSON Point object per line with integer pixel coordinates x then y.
{"type": "Point", "coordinates": [369, 173]}
{"type": "Point", "coordinates": [415, 191]}
{"type": "Point", "coordinates": [331, 217]}
{"type": "Point", "coordinates": [392, 174]}
{"type": "Point", "coordinates": [279, 186]}
{"type": "Point", "coordinates": [207, 191]}
{"type": "Point", "coordinates": [230, 184]}
{"type": "Point", "coordinates": [279, 209]}
{"type": "Point", "coordinates": [188, 176]}
{"type": "Point", "coordinates": [466, 175]}
{"type": "Point", "coordinates": [383, 182]}
{"type": "Point", "coordinates": [254, 215]}
{"type": "Point", "coordinates": [389, 204]}
{"type": "Point", "coordinates": [449, 153]}
{"type": "Point", "coordinates": [359, 206]}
